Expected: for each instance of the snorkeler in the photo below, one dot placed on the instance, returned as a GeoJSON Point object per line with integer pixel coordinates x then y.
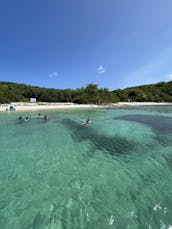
{"type": "Point", "coordinates": [88, 121]}
{"type": "Point", "coordinates": [38, 116]}
{"type": "Point", "coordinates": [26, 119]}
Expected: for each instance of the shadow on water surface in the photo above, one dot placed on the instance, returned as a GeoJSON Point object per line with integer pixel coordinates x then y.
{"type": "Point", "coordinates": [111, 145]}
{"type": "Point", "coordinates": [163, 128]}
{"type": "Point", "coordinates": [161, 124]}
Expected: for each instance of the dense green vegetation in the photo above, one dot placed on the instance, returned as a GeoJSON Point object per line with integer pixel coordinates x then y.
{"type": "Point", "coordinates": [91, 93]}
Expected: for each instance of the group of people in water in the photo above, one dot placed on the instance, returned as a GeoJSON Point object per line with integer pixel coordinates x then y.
{"type": "Point", "coordinates": [45, 117]}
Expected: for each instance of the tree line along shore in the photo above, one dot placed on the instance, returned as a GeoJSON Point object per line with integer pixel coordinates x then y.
{"type": "Point", "coordinates": [90, 94]}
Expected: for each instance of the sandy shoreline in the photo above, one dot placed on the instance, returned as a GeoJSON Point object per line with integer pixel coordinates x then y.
{"type": "Point", "coordinates": [143, 104]}
{"type": "Point", "coordinates": [43, 106]}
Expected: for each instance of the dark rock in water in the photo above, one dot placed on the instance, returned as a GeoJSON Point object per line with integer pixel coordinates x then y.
{"type": "Point", "coordinates": [38, 220]}
{"type": "Point", "coordinates": [134, 196]}
{"type": "Point", "coordinates": [161, 124]}
{"type": "Point", "coordinates": [168, 158]}
{"type": "Point", "coordinates": [111, 145]}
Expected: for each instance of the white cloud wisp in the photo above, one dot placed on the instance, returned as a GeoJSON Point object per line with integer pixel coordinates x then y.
{"type": "Point", "coordinates": [101, 69]}
{"type": "Point", "coordinates": [53, 74]}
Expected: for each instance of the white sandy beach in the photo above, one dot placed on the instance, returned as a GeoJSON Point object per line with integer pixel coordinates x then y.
{"type": "Point", "coordinates": [43, 106]}
{"type": "Point", "coordinates": [20, 106]}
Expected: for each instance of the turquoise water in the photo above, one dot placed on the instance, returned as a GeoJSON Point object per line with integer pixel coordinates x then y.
{"type": "Point", "coordinates": [115, 173]}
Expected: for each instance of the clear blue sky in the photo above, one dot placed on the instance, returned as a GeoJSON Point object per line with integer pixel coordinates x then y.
{"type": "Point", "coordinates": [70, 43]}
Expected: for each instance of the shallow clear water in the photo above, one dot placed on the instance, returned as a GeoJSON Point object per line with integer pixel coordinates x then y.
{"type": "Point", "coordinates": [60, 174]}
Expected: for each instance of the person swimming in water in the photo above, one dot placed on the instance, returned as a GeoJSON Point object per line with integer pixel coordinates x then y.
{"type": "Point", "coordinates": [88, 121]}
{"type": "Point", "coordinates": [46, 117]}
{"type": "Point", "coordinates": [26, 119]}
{"type": "Point", "coordinates": [38, 115]}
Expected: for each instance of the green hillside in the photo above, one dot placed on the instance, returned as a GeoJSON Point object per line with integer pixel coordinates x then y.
{"type": "Point", "coordinates": [160, 92]}
{"type": "Point", "coordinates": [91, 93]}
